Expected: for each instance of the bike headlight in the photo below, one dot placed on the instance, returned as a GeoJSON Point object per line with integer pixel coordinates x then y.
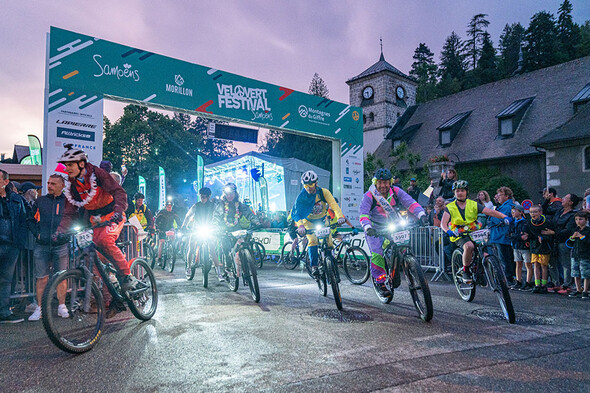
{"type": "Point", "coordinates": [77, 228]}
{"type": "Point", "coordinates": [402, 223]}
{"type": "Point", "coordinates": [318, 227]}
{"type": "Point", "coordinates": [203, 232]}
{"type": "Point", "coordinates": [391, 227]}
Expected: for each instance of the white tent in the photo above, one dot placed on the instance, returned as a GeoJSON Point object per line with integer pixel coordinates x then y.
{"type": "Point", "coordinates": [282, 175]}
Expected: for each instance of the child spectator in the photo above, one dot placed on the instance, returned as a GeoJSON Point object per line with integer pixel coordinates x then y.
{"type": "Point", "coordinates": [580, 241]}
{"type": "Point", "coordinates": [521, 250]}
{"type": "Point", "coordinates": [540, 244]}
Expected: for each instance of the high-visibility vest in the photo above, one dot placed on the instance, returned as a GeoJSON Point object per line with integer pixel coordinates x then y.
{"type": "Point", "coordinates": [460, 224]}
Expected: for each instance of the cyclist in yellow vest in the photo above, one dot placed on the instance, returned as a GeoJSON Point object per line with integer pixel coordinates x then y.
{"type": "Point", "coordinates": [460, 217]}
{"type": "Point", "coordinates": [143, 214]}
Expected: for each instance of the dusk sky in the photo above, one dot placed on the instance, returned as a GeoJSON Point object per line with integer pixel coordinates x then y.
{"type": "Point", "coordinates": [280, 42]}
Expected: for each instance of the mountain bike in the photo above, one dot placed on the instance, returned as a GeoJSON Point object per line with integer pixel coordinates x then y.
{"type": "Point", "coordinates": [168, 259]}
{"type": "Point", "coordinates": [199, 254]}
{"type": "Point", "coordinates": [247, 262]}
{"type": "Point", "coordinates": [486, 271]}
{"type": "Point", "coordinates": [399, 258]}
{"type": "Point", "coordinates": [82, 330]}
{"type": "Point", "coordinates": [149, 251]}
{"type": "Point", "coordinates": [292, 257]}
{"type": "Point", "coordinates": [327, 265]}
{"type": "Point", "coordinates": [354, 260]}
{"type": "Point", "coordinates": [259, 253]}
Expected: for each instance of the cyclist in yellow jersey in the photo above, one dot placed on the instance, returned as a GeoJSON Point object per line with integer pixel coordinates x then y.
{"type": "Point", "coordinates": [460, 217]}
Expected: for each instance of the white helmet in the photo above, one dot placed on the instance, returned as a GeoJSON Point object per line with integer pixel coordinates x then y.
{"type": "Point", "coordinates": [309, 177]}
{"type": "Point", "coordinates": [72, 155]}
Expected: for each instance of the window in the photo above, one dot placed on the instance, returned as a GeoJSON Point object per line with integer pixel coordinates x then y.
{"type": "Point", "coordinates": [445, 137]}
{"type": "Point", "coordinates": [587, 158]}
{"type": "Point", "coordinates": [396, 143]}
{"type": "Point", "coordinates": [506, 127]}
{"type": "Point", "coordinates": [581, 98]}
{"type": "Point", "coordinates": [371, 116]}
{"type": "Point", "coordinates": [509, 119]}
{"type": "Point", "coordinates": [450, 128]}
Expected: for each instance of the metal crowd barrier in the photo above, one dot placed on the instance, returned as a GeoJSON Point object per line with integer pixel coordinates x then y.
{"type": "Point", "coordinates": [428, 246]}
{"type": "Point", "coordinates": [23, 282]}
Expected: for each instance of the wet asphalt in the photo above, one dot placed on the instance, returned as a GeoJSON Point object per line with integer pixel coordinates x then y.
{"type": "Point", "coordinates": [294, 340]}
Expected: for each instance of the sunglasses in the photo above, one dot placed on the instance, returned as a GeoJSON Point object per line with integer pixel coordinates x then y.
{"type": "Point", "coordinates": [310, 185]}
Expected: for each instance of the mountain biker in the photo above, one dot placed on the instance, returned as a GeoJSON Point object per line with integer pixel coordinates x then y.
{"type": "Point", "coordinates": [142, 212]}
{"type": "Point", "coordinates": [199, 214]}
{"type": "Point", "coordinates": [231, 215]}
{"type": "Point", "coordinates": [460, 217]}
{"type": "Point", "coordinates": [311, 209]}
{"type": "Point", "coordinates": [377, 209]}
{"type": "Point", "coordinates": [165, 221]}
{"type": "Point", "coordinates": [92, 191]}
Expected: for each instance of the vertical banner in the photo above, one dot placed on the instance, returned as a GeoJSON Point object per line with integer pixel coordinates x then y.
{"type": "Point", "coordinates": [35, 149]}
{"type": "Point", "coordinates": [200, 172]}
{"type": "Point", "coordinates": [352, 182]}
{"type": "Point", "coordinates": [263, 193]}
{"type": "Point", "coordinates": [141, 183]}
{"type": "Point", "coordinates": [162, 202]}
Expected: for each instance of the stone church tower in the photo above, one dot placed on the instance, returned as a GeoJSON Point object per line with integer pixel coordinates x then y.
{"type": "Point", "coordinates": [384, 93]}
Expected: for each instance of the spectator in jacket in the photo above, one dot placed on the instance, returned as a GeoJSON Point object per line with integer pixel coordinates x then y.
{"type": "Point", "coordinates": [499, 232]}
{"type": "Point", "coordinates": [414, 190]}
{"type": "Point", "coordinates": [50, 255]}
{"type": "Point", "coordinates": [539, 237]}
{"type": "Point", "coordinates": [13, 231]}
{"type": "Point", "coordinates": [446, 183]}
{"type": "Point", "coordinates": [551, 203]}
{"type": "Point", "coordinates": [521, 251]}
{"type": "Point", "coordinates": [564, 225]}
{"type": "Point", "coordinates": [581, 255]}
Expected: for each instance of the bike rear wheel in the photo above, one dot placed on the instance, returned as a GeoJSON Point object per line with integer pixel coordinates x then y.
{"type": "Point", "coordinates": [332, 278]}
{"type": "Point", "coordinates": [205, 263]}
{"type": "Point", "coordinates": [259, 254]}
{"type": "Point", "coordinates": [357, 265]}
{"type": "Point", "coordinates": [249, 273]}
{"type": "Point", "coordinates": [81, 331]}
{"type": "Point", "coordinates": [143, 301]}
{"type": "Point", "coordinates": [150, 254]}
{"type": "Point", "coordinates": [418, 287]}
{"type": "Point", "coordinates": [190, 266]}
{"type": "Point", "coordinates": [466, 291]}
{"type": "Point", "coordinates": [497, 282]}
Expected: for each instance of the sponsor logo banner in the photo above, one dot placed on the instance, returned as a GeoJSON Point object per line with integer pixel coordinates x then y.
{"type": "Point", "coordinates": [70, 133]}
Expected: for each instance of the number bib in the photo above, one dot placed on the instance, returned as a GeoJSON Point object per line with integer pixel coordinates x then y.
{"type": "Point", "coordinates": [323, 232]}
{"type": "Point", "coordinates": [402, 237]}
{"type": "Point", "coordinates": [480, 236]}
{"type": "Point", "coordinates": [84, 238]}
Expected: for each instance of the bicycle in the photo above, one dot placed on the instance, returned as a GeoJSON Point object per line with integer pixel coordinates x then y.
{"type": "Point", "coordinates": [150, 254]}
{"type": "Point", "coordinates": [199, 256]}
{"type": "Point", "coordinates": [168, 259]}
{"type": "Point", "coordinates": [398, 256]}
{"type": "Point", "coordinates": [327, 265]}
{"type": "Point", "coordinates": [82, 330]}
{"type": "Point", "coordinates": [355, 262]}
{"type": "Point", "coordinates": [247, 262]}
{"type": "Point", "coordinates": [259, 253]}
{"type": "Point", "coordinates": [292, 257]}
{"type": "Point", "coordinates": [486, 271]}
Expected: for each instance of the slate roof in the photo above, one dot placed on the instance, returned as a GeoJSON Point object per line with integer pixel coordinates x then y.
{"type": "Point", "coordinates": [478, 140]}
{"type": "Point", "coordinates": [577, 128]}
{"type": "Point", "coordinates": [378, 67]}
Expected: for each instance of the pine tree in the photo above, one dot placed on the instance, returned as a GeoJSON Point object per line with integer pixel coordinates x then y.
{"type": "Point", "coordinates": [567, 31]}
{"type": "Point", "coordinates": [318, 87]}
{"type": "Point", "coordinates": [452, 66]}
{"type": "Point", "coordinates": [584, 45]}
{"type": "Point", "coordinates": [511, 40]}
{"type": "Point", "coordinates": [475, 30]}
{"type": "Point", "coordinates": [487, 69]}
{"type": "Point", "coordinates": [424, 69]}
{"type": "Point", "coordinates": [543, 48]}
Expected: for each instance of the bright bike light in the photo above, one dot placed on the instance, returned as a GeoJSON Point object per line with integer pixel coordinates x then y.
{"type": "Point", "coordinates": [391, 227]}
{"type": "Point", "coordinates": [318, 227]}
{"type": "Point", "coordinates": [77, 228]}
{"type": "Point", "coordinates": [403, 223]}
{"type": "Point", "coordinates": [203, 232]}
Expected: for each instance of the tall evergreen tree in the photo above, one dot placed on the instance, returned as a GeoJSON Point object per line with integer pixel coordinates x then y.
{"type": "Point", "coordinates": [452, 66]}
{"type": "Point", "coordinates": [543, 48]}
{"type": "Point", "coordinates": [584, 45]}
{"type": "Point", "coordinates": [318, 87]}
{"type": "Point", "coordinates": [567, 31]}
{"type": "Point", "coordinates": [424, 69]}
{"type": "Point", "coordinates": [511, 40]}
{"type": "Point", "coordinates": [487, 68]}
{"type": "Point", "coordinates": [475, 31]}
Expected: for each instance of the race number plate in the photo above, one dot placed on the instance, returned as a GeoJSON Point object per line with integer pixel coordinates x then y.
{"type": "Point", "coordinates": [402, 237]}
{"type": "Point", "coordinates": [480, 236]}
{"type": "Point", "coordinates": [84, 238]}
{"type": "Point", "coordinates": [323, 232]}
{"type": "Point", "coordinates": [239, 233]}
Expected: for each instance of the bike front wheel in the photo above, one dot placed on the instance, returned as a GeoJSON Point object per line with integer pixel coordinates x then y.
{"type": "Point", "coordinates": [497, 282]}
{"type": "Point", "coordinates": [231, 276]}
{"type": "Point", "coordinates": [80, 331]}
{"type": "Point", "coordinates": [290, 256]}
{"type": "Point", "coordinates": [249, 273]}
{"type": "Point", "coordinates": [357, 265]}
{"type": "Point", "coordinates": [418, 287]}
{"type": "Point", "coordinates": [143, 301]}
{"type": "Point", "coordinates": [332, 278]}
{"type": "Point", "coordinates": [259, 254]}
{"type": "Point", "coordinates": [190, 266]}
{"type": "Point", "coordinates": [205, 264]}
{"type": "Point", "coordinates": [466, 291]}
{"type": "Point", "coordinates": [171, 260]}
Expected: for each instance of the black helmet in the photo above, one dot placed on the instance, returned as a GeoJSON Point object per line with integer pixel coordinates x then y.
{"type": "Point", "coordinates": [461, 184]}
{"type": "Point", "coordinates": [139, 195]}
{"type": "Point", "coordinates": [382, 174]}
{"type": "Point", "coordinates": [205, 191]}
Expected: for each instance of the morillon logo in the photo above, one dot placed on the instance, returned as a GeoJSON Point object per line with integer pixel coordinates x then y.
{"type": "Point", "coordinates": [178, 89]}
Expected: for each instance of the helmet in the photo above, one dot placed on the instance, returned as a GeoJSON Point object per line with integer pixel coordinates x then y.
{"type": "Point", "coordinates": [72, 155]}
{"type": "Point", "coordinates": [460, 184]}
{"type": "Point", "coordinates": [230, 187]}
{"type": "Point", "coordinates": [382, 174]}
{"type": "Point", "coordinates": [139, 195]}
{"type": "Point", "coordinates": [309, 177]}
{"type": "Point", "coordinates": [205, 191]}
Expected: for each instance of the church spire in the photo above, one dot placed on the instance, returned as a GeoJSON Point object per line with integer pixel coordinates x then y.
{"type": "Point", "coordinates": [381, 58]}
